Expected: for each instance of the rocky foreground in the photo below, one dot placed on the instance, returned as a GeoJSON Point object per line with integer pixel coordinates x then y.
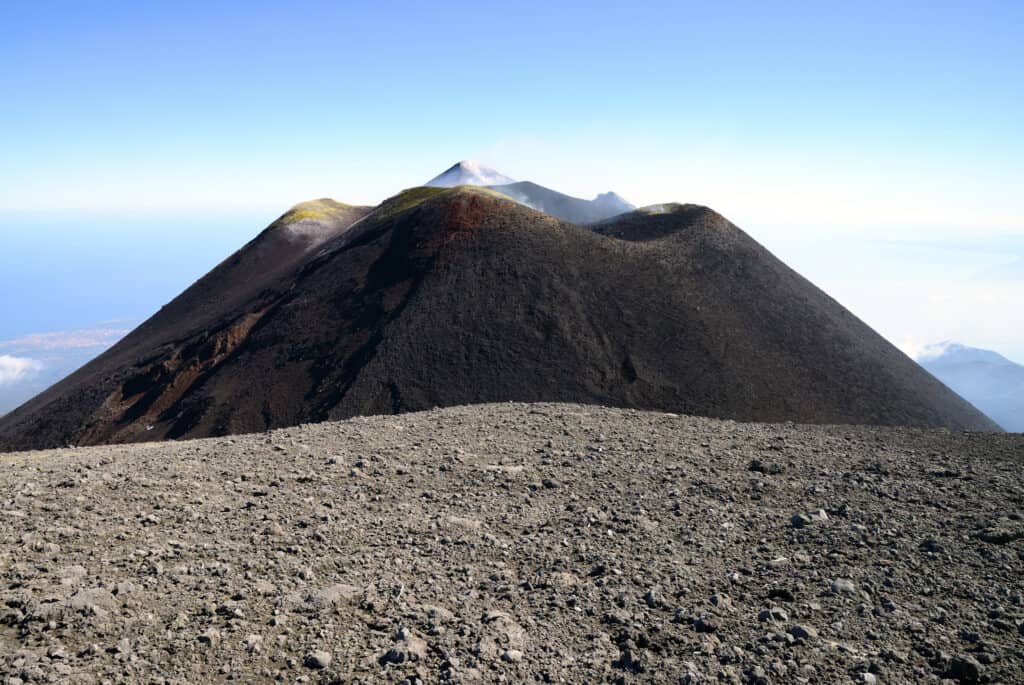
{"type": "Point", "coordinates": [518, 543]}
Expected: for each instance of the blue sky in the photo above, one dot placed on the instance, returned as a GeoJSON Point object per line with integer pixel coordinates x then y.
{"type": "Point", "coordinates": [832, 106]}
{"type": "Point", "coordinates": [142, 142]}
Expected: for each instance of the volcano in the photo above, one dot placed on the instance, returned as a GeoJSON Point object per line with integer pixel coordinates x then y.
{"type": "Point", "coordinates": [468, 172]}
{"type": "Point", "coordinates": [551, 202]}
{"type": "Point", "coordinates": [453, 296]}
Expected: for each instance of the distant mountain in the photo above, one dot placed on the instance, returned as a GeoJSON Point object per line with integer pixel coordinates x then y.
{"type": "Point", "coordinates": [551, 202]}
{"type": "Point", "coordinates": [953, 353]}
{"type": "Point", "coordinates": [565, 207]}
{"type": "Point", "coordinates": [986, 379]}
{"type": "Point", "coordinates": [443, 297]}
{"type": "Point", "coordinates": [468, 173]}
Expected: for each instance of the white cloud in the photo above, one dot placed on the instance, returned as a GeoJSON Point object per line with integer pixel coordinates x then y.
{"type": "Point", "coordinates": [14, 369]}
{"type": "Point", "coordinates": [910, 347]}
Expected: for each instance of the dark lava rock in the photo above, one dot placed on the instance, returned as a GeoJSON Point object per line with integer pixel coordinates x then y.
{"type": "Point", "coordinates": [803, 632]}
{"type": "Point", "coordinates": [707, 624]}
{"type": "Point", "coordinates": [781, 594]}
{"type": "Point", "coordinates": [769, 468]}
{"type": "Point", "coordinates": [317, 660]}
{"type": "Point", "coordinates": [965, 668]}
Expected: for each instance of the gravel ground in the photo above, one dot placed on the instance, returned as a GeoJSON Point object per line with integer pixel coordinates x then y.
{"type": "Point", "coordinates": [518, 543]}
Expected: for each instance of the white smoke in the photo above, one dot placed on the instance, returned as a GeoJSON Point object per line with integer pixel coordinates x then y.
{"type": "Point", "coordinates": [655, 209]}
{"type": "Point", "coordinates": [521, 199]}
{"type": "Point", "coordinates": [469, 172]}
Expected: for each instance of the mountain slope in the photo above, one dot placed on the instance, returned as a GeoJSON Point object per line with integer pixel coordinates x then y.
{"type": "Point", "coordinates": [986, 379]}
{"type": "Point", "coordinates": [206, 316]}
{"type": "Point", "coordinates": [444, 297]}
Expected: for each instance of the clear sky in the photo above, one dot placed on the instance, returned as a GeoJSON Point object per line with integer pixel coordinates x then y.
{"type": "Point", "coordinates": [811, 125]}
{"type": "Point", "coordinates": [802, 113]}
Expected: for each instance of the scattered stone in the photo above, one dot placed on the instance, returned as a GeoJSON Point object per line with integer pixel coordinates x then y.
{"type": "Point", "coordinates": [333, 595]}
{"type": "Point", "coordinates": [969, 636]}
{"type": "Point", "coordinates": [769, 468]}
{"type": "Point", "coordinates": [70, 575]}
{"type": "Point", "coordinates": [499, 630]}
{"type": "Point", "coordinates": [265, 588]}
{"type": "Point", "coordinates": [210, 638]}
{"type": "Point", "coordinates": [774, 614]}
{"type": "Point", "coordinates": [707, 624]}
{"type": "Point", "coordinates": [803, 632]}
{"type": "Point", "coordinates": [722, 601]}
{"type": "Point", "coordinates": [965, 669]}
{"type": "Point", "coordinates": [843, 586]}
{"type": "Point", "coordinates": [474, 572]}
{"type": "Point", "coordinates": [318, 660]}
{"type": "Point", "coordinates": [804, 520]}
{"type": "Point", "coordinates": [800, 521]}
{"type": "Point", "coordinates": [94, 600]}
{"type": "Point", "coordinates": [407, 648]}
{"type": "Point", "coordinates": [438, 614]}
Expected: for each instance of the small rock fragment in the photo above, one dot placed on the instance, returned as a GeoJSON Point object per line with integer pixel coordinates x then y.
{"type": "Point", "coordinates": [773, 614]}
{"type": "Point", "coordinates": [318, 660]}
{"type": "Point", "coordinates": [722, 601]}
{"type": "Point", "coordinates": [800, 521]}
{"type": "Point", "coordinates": [803, 632]}
{"type": "Point", "coordinates": [408, 647]}
{"type": "Point", "coordinates": [210, 637]}
{"type": "Point", "coordinates": [965, 668]}
{"type": "Point", "coordinates": [843, 586]}
{"type": "Point", "coordinates": [707, 624]}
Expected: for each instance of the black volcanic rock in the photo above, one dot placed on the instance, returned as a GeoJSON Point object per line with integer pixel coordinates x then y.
{"type": "Point", "coordinates": [455, 296]}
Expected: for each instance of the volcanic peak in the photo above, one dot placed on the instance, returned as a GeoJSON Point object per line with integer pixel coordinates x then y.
{"type": "Point", "coordinates": [468, 172]}
{"type": "Point", "coordinates": [322, 210]}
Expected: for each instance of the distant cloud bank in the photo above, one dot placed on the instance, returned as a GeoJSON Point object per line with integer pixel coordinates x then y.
{"type": "Point", "coordinates": [67, 340]}
{"type": "Point", "coordinates": [16, 369]}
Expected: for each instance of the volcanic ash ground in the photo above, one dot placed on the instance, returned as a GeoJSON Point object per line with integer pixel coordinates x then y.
{"type": "Point", "coordinates": [518, 543]}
